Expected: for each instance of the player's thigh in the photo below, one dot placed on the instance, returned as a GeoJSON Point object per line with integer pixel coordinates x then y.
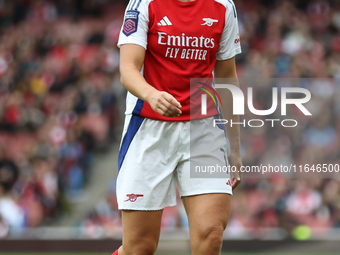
{"type": "Point", "coordinates": [207, 213]}
{"type": "Point", "coordinates": [141, 227]}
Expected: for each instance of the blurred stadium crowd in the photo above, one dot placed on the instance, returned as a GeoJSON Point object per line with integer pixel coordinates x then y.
{"type": "Point", "coordinates": [59, 83]}
{"type": "Point", "coordinates": [60, 94]}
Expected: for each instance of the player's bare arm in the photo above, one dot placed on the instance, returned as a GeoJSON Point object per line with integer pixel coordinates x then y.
{"type": "Point", "coordinates": [227, 69]}
{"type": "Point", "coordinates": [131, 63]}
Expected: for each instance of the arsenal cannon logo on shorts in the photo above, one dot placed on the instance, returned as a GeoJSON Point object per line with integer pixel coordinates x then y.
{"type": "Point", "coordinates": [132, 197]}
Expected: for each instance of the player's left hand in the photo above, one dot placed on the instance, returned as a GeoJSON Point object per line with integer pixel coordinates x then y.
{"type": "Point", "coordinates": [235, 161]}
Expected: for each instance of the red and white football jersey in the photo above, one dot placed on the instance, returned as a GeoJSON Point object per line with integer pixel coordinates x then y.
{"type": "Point", "coordinates": [183, 40]}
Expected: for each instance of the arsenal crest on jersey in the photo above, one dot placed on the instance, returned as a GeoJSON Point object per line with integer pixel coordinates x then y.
{"type": "Point", "coordinates": [131, 22]}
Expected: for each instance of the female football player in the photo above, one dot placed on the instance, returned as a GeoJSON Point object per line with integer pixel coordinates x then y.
{"type": "Point", "coordinates": [163, 44]}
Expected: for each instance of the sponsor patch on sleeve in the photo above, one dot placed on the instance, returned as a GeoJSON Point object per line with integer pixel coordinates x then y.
{"type": "Point", "coordinates": [131, 22]}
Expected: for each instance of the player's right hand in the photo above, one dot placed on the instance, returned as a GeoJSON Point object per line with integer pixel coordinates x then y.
{"type": "Point", "coordinates": [164, 104]}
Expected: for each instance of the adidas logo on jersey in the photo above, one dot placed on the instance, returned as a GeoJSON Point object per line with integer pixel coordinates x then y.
{"type": "Point", "coordinates": [165, 22]}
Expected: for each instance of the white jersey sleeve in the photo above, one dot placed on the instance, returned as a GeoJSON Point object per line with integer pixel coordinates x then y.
{"type": "Point", "coordinates": [230, 41]}
{"type": "Point", "coordinates": [136, 24]}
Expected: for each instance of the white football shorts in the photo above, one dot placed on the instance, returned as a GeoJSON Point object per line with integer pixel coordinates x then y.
{"type": "Point", "coordinates": [155, 155]}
